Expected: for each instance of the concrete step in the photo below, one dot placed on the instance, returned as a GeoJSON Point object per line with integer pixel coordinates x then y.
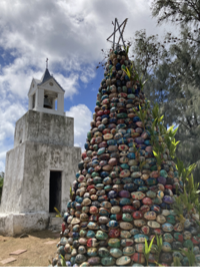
{"type": "Point", "coordinates": [55, 223]}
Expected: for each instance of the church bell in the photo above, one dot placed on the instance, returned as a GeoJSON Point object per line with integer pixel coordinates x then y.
{"type": "Point", "coordinates": [47, 103]}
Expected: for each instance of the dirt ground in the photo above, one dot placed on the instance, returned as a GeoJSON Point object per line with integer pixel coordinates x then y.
{"type": "Point", "coordinates": [37, 253]}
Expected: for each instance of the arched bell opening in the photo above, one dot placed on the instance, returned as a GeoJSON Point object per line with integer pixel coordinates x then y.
{"type": "Point", "coordinates": [49, 100]}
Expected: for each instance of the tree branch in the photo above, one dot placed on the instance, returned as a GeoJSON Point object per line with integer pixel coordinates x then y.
{"type": "Point", "coordinates": [195, 118]}
{"type": "Point", "coordinates": [181, 122]}
{"type": "Point", "coordinates": [188, 121]}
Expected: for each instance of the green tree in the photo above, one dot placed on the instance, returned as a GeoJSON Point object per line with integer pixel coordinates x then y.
{"type": "Point", "coordinates": [172, 69]}
{"type": "Point", "coordinates": [185, 76]}
{"type": "Point", "coordinates": [176, 11]}
{"type": "Point", "coordinates": [147, 51]}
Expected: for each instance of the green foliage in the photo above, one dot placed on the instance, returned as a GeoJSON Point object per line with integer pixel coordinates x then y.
{"type": "Point", "coordinates": [70, 192]}
{"type": "Point", "coordinates": [139, 79]}
{"type": "Point", "coordinates": [181, 12]}
{"type": "Point", "coordinates": [178, 206]}
{"type": "Point", "coordinates": [188, 200]}
{"type": "Point", "coordinates": [126, 49]}
{"type": "Point", "coordinates": [147, 250]}
{"type": "Point", "coordinates": [63, 262]}
{"type": "Point", "coordinates": [156, 112]}
{"type": "Point", "coordinates": [129, 72]}
{"type": "Point", "coordinates": [110, 72]}
{"type": "Point", "coordinates": [182, 171]}
{"type": "Point", "coordinates": [135, 149]}
{"type": "Point", "coordinates": [147, 104]}
{"type": "Point", "coordinates": [190, 255]}
{"type": "Point", "coordinates": [176, 262]}
{"type": "Point", "coordinates": [142, 163]}
{"type": "Point", "coordinates": [158, 147]}
{"type": "Point", "coordinates": [158, 264]}
{"type": "Point", "coordinates": [134, 76]}
{"type": "Point", "coordinates": [154, 135]}
{"type": "Point", "coordinates": [192, 188]}
{"type": "Point", "coordinates": [158, 122]}
{"type": "Point", "coordinates": [171, 141]}
{"type": "Point", "coordinates": [158, 155]}
{"type": "Point", "coordinates": [193, 194]}
{"type": "Point", "coordinates": [142, 114]}
{"type": "Point", "coordinates": [171, 66]}
{"type": "Point", "coordinates": [58, 215]}
{"type": "Point", "coordinates": [137, 152]}
{"type": "Point", "coordinates": [147, 51]}
{"type": "Point", "coordinates": [184, 200]}
{"type": "Point", "coordinates": [1, 182]}
{"type": "Point", "coordinates": [142, 83]}
{"type": "Point", "coordinates": [159, 241]}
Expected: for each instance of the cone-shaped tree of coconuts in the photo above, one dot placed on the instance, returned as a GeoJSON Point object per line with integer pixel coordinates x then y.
{"type": "Point", "coordinates": [127, 185]}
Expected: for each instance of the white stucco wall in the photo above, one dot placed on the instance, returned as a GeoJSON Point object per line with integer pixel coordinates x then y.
{"type": "Point", "coordinates": [44, 128]}
{"type": "Point", "coordinates": [13, 181]}
{"type": "Point", "coordinates": [13, 224]}
{"type": "Point", "coordinates": [46, 145]}
{"type": "Point", "coordinates": [26, 184]}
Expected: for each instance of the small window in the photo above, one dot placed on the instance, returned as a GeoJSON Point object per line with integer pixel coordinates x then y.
{"type": "Point", "coordinates": [33, 101]}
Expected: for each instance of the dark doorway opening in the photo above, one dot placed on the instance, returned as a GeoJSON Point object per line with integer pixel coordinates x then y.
{"type": "Point", "coordinates": [55, 191]}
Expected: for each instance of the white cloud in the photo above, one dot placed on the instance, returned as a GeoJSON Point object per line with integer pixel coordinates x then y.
{"type": "Point", "coordinates": [2, 155]}
{"type": "Point", "coordinates": [87, 74]}
{"type": "Point", "coordinates": [2, 159]}
{"type": "Point", "coordinates": [8, 116]}
{"type": "Point", "coordinates": [71, 33]}
{"type": "Point", "coordinates": [9, 113]}
{"type": "Point", "coordinates": [2, 166]}
{"type": "Point", "coordinates": [69, 84]}
{"type": "Point", "coordinates": [82, 118]}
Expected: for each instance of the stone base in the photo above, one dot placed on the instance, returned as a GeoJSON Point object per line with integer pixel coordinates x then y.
{"type": "Point", "coordinates": [55, 223]}
{"type": "Point", "coordinates": [17, 223]}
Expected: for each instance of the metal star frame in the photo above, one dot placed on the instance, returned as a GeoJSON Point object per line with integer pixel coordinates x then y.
{"type": "Point", "coordinates": [116, 24]}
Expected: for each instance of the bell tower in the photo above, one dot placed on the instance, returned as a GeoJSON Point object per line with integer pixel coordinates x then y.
{"type": "Point", "coordinates": [42, 164]}
{"type": "Point", "coordinates": [46, 95]}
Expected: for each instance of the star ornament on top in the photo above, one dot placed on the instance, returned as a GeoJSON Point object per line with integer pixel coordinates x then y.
{"type": "Point", "coordinates": [117, 27]}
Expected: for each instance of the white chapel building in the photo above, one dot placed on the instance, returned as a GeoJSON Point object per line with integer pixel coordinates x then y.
{"type": "Point", "coordinates": [42, 165]}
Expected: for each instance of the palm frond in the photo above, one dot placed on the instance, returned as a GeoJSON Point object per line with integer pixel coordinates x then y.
{"type": "Point", "coordinates": [58, 215]}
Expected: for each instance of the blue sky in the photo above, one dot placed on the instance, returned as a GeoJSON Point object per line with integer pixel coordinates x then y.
{"type": "Point", "coordinates": [71, 33]}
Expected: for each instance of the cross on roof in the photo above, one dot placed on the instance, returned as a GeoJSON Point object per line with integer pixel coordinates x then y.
{"type": "Point", "coordinates": [47, 63]}
{"type": "Point", "coordinates": [116, 24]}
